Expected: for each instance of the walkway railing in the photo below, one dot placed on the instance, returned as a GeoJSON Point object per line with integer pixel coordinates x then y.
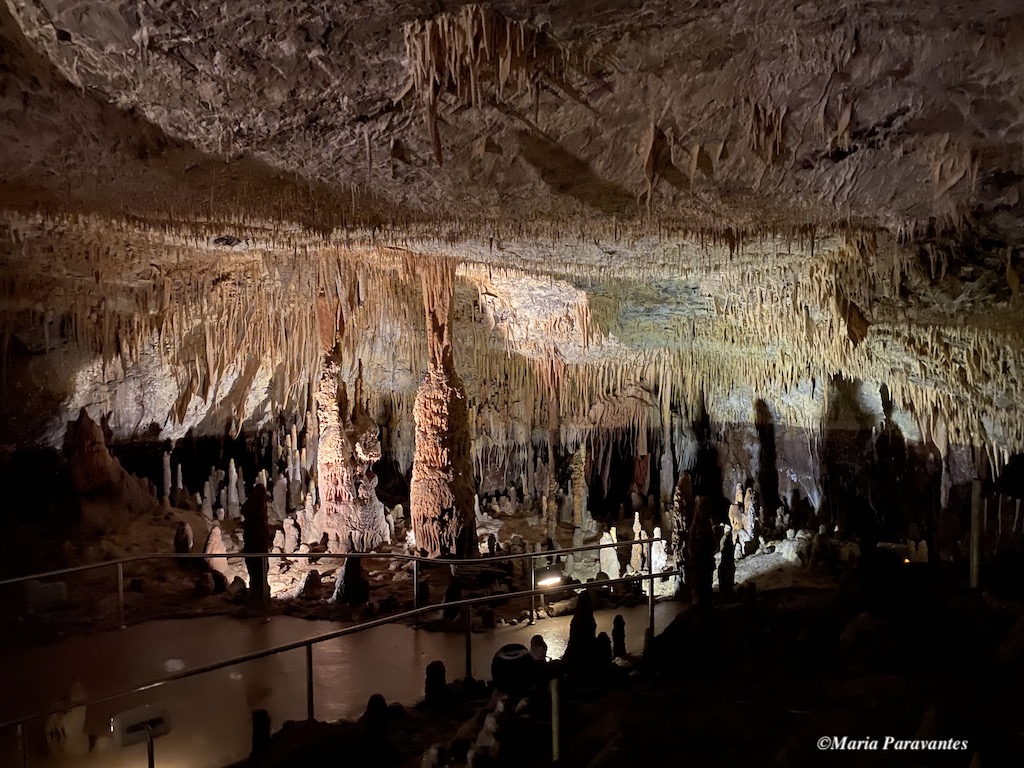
{"type": "Point", "coordinates": [308, 643]}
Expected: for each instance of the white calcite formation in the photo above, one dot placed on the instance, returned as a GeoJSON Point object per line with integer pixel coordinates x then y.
{"type": "Point", "coordinates": [207, 507]}
{"type": "Point", "coordinates": [636, 551]}
{"type": "Point", "coordinates": [609, 557]}
{"type": "Point", "coordinates": [352, 514]}
{"type": "Point", "coordinates": [659, 552]}
{"type": "Point", "coordinates": [279, 502]}
{"type": "Point", "coordinates": [167, 479]}
{"type": "Point", "coordinates": [232, 489]}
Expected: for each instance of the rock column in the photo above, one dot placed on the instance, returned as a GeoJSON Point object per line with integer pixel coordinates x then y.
{"type": "Point", "coordinates": [351, 514]}
{"type": "Point", "coordinates": [442, 488]}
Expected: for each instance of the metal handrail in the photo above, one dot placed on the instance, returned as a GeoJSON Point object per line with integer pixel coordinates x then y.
{"type": "Point", "coordinates": [415, 559]}
{"type": "Point", "coordinates": [319, 555]}
{"type": "Point", "coordinates": [308, 643]}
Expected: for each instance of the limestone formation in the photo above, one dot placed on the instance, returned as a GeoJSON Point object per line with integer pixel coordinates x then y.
{"type": "Point", "coordinates": [207, 504]}
{"type": "Point", "coordinates": [579, 486]}
{"type": "Point", "coordinates": [682, 515]}
{"type": "Point", "coordinates": [659, 555]}
{"type": "Point", "coordinates": [215, 546]}
{"type": "Point", "coordinates": [240, 488]}
{"type": "Point", "coordinates": [352, 515]}
{"type": "Point", "coordinates": [538, 648]}
{"type": "Point", "coordinates": [637, 554]}
{"type": "Point", "coordinates": [727, 566]}
{"type": "Point", "coordinates": [442, 488]}
{"type": "Point", "coordinates": [435, 689]}
{"type": "Point", "coordinates": [257, 541]}
{"type": "Point", "coordinates": [579, 649]}
{"type": "Point", "coordinates": [619, 636]}
{"type": "Point", "coordinates": [280, 503]}
{"type": "Point", "coordinates": [310, 587]}
{"type": "Point", "coordinates": [233, 504]}
{"type": "Point", "coordinates": [166, 495]}
{"type": "Point", "coordinates": [773, 243]}
{"type": "Point", "coordinates": [183, 538]}
{"type": "Point", "coordinates": [291, 536]}
{"type": "Point", "coordinates": [93, 469]}
{"type": "Point", "coordinates": [700, 554]}
{"type": "Point", "coordinates": [609, 557]}
{"type": "Point", "coordinates": [65, 731]}
{"type": "Point", "coordinates": [352, 586]}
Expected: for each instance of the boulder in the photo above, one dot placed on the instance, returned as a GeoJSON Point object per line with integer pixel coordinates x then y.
{"type": "Point", "coordinates": [183, 538]}
{"type": "Point", "coordinates": [796, 551]}
{"type": "Point", "coordinates": [215, 545]}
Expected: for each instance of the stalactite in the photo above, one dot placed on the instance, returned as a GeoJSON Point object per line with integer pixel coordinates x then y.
{"type": "Point", "coordinates": [474, 52]}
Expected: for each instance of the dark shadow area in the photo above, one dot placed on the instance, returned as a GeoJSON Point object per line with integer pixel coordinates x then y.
{"type": "Point", "coordinates": [767, 472]}
{"type": "Point", "coordinates": [392, 485]}
{"type": "Point", "coordinates": [707, 469]}
{"type": "Point", "coordinates": [566, 174]}
{"type": "Point", "coordinates": [614, 464]}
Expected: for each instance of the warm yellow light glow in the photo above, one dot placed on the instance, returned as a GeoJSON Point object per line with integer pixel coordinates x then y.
{"type": "Point", "coordinates": [906, 559]}
{"type": "Point", "coordinates": [549, 581]}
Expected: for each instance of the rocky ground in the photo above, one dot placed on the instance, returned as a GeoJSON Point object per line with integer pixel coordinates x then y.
{"type": "Point", "coordinates": [302, 584]}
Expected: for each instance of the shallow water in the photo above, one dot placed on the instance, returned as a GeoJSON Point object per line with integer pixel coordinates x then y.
{"type": "Point", "coordinates": [210, 713]}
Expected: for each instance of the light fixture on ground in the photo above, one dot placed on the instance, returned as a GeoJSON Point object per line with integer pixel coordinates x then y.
{"type": "Point", "coordinates": [549, 576]}
{"type": "Point", "coordinates": [144, 723]}
{"type": "Point", "coordinates": [542, 578]}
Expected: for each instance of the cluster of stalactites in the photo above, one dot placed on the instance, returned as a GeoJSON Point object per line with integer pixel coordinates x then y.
{"type": "Point", "coordinates": [474, 54]}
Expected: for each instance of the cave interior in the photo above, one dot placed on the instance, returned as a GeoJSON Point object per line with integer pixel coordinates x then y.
{"type": "Point", "coordinates": [742, 276]}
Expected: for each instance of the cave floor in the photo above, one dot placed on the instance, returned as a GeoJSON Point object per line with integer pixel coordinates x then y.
{"type": "Point", "coordinates": [210, 713]}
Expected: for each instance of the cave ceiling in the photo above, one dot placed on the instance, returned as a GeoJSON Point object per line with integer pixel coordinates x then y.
{"type": "Point", "coordinates": [648, 200]}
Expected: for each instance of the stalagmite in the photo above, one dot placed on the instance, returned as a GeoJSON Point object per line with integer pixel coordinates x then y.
{"type": "Point", "coordinates": [579, 486]}
{"type": "Point", "coordinates": [207, 508]}
{"type": "Point", "coordinates": [682, 515]}
{"type": "Point", "coordinates": [442, 488]}
{"type": "Point", "coordinates": [609, 557]}
{"type": "Point", "coordinates": [659, 557]}
{"type": "Point", "coordinates": [240, 486]}
{"type": "Point", "coordinates": [232, 499]}
{"type": "Point", "coordinates": [636, 553]}
{"type": "Point", "coordinates": [295, 488]}
{"type": "Point", "coordinates": [167, 479]}
{"type": "Point", "coordinates": [279, 504]}
{"type": "Point", "coordinates": [352, 515]}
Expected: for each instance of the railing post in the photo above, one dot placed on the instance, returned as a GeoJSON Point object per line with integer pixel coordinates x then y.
{"type": "Point", "coordinates": [533, 588]}
{"type": "Point", "coordinates": [416, 583]}
{"type": "Point", "coordinates": [975, 558]}
{"type": "Point", "coordinates": [120, 593]}
{"type": "Point", "coordinates": [309, 682]}
{"type": "Point", "coordinates": [469, 640]}
{"type": "Point", "coordinates": [650, 585]}
{"type": "Point", "coordinates": [555, 724]}
{"type": "Point", "coordinates": [22, 752]}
